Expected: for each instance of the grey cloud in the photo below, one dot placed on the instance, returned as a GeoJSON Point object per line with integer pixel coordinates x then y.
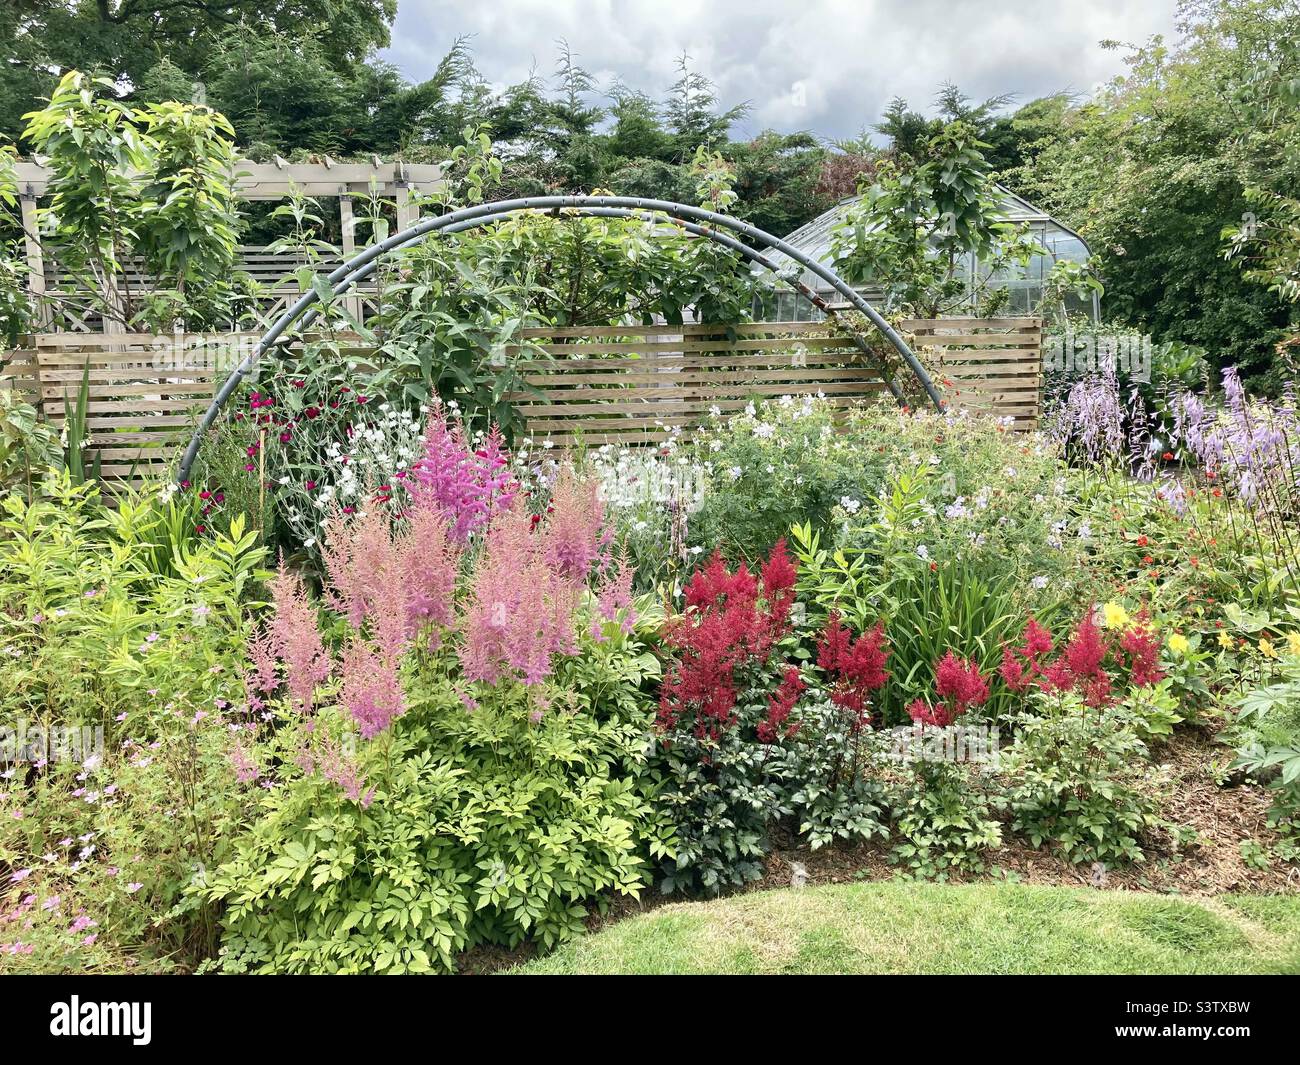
{"type": "Point", "coordinates": [825, 65]}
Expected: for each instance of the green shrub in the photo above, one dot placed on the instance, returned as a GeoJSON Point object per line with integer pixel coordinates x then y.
{"type": "Point", "coordinates": [1080, 780]}
{"type": "Point", "coordinates": [116, 717]}
{"type": "Point", "coordinates": [944, 820]}
{"type": "Point", "coordinates": [485, 825]}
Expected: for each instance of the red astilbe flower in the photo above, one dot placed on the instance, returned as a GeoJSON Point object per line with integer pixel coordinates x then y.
{"type": "Point", "coordinates": [779, 575]}
{"type": "Point", "coordinates": [958, 684]}
{"type": "Point", "coordinates": [1141, 643]}
{"type": "Point", "coordinates": [779, 707]}
{"type": "Point", "coordinates": [728, 624]}
{"type": "Point", "coordinates": [858, 666]}
{"type": "Point", "coordinates": [1021, 665]}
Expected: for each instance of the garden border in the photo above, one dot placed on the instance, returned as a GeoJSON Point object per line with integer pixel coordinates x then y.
{"type": "Point", "coordinates": [360, 266]}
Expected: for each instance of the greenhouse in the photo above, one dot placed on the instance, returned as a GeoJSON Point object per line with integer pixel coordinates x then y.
{"type": "Point", "coordinates": [1025, 284]}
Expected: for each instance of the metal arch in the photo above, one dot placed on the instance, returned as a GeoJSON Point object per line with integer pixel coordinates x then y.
{"type": "Point", "coordinates": [363, 272]}
{"type": "Point", "coordinates": [466, 218]}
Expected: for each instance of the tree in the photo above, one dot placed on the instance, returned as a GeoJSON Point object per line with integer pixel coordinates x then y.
{"type": "Point", "coordinates": [919, 222]}
{"type": "Point", "coordinates": [123, 39]}
{"type": "Point", "coordinates": [692, 115]}
{"type": "Point", "coordinates": [1153, 169]}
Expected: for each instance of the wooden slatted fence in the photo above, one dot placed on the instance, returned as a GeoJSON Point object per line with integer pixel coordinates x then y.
{"type": "Point", "coordinates": [618, 384]}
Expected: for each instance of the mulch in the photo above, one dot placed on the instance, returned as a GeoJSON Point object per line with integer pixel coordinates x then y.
{"type": "Point", "coordinates": [1205, 859]}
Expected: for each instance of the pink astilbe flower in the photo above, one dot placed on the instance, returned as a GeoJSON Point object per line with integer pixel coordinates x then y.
{"type": "Point", "coordinates": [614, 594]}
{"type": "Point", "coordinates": [368, 579]}
{"type": "Point", "coordinates": [432, 562]}
{"type": "Point", "coordinates": [520, 611]}
{"type": "Point", "coordinates": [246, 769]}
{"type": "Point", "coordinates": [465, 486]}
{"type": "Point", "coordinates": [330, 761]}
{"type": "Point", "coordinates": [372, 690]}
{"type": "Point", "coordinates": [262, 678]}
{"type": "Point", "coordinates": [296, 639]}
{"type": "Point", "coordinates": [574, 534]}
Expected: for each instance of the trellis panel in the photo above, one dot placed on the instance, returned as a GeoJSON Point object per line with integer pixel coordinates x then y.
{"type": "Point", "coordinates": [608, 384]}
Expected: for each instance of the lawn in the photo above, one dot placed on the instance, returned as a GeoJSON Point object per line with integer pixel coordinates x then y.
{"type": "Point", "coordinates": [903, 927]}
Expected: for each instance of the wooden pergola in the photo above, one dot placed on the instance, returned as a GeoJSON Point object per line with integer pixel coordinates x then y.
{"type": "Point", "coordinates": [403, 183]}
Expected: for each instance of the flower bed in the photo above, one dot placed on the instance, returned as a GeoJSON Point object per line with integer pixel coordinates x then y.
{"type": "Point", "coordinates": [381, 689]}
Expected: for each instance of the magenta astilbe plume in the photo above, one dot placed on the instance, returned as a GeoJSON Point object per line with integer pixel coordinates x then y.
{"type": "Point", "coordinates": [575, 534]}
{"type": "Point", "coordinates": [465, 486]}
{"type": "Point", "coordinates": [372, 690]}
{"type": "Point", "coordinates": [520, 612]}
{"type": "Point", "coordinates": [296, 639]}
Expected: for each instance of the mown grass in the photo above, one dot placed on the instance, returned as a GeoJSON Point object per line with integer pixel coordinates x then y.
{"type": "Point", "coordinates": [931, 928]}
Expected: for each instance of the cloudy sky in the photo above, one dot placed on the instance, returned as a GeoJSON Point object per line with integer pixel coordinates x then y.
{"type": "Point", "coordinates": [829, 66]}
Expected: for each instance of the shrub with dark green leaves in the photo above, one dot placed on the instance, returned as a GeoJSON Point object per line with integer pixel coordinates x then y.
{"type": "Point", "coordinates": [1080, 781]}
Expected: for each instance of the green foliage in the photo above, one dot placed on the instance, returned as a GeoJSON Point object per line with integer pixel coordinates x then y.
{"type": "Point", "coordinates": [1266, 733]}
{"type": "Point", "coordinates": [155, 182]}
{"type": "Point", "coordinates": [725, 794]}
{"type": "Point", "coordinates": [1079, 780]}
{"type": "Point", "coordinates": [484, 825]}
{"type": "Point", "coordinates": [28, 447]}
{"type": "Point", "coordinates": [944, 821]}
{"type": "Point", "coordinates": [1156, 168]}
{"type": "Point", "coordinates": [918, 223]}
{"type": "Point", "coordinates": [138, 663]}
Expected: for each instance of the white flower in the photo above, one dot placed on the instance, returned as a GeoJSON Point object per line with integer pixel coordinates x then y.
{"type": "Point", "coordinates": [850, 505]}
{"type": "Point", "coordinates": [923, 552]}
{"type": "Point", "coordinates": [735, 473]}
{"type": "Point", "coordinates": [1038, 583]}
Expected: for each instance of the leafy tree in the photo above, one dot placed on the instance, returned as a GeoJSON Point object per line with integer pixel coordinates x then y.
{"type": "Point", "coordinates": [1154, 169]}
{"type": "Point", "coordinates": [154, 182]}
{"type": "Point", "coordinates": [692, 115]}
{"type": "Point", "coordinates": [919, 222]}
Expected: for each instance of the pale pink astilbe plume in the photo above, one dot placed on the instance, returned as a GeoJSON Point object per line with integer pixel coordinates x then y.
{"type": "Point", "coordinates": [246, 768]}
{"type": "Point", "coordinates": [369, 583]}
{"type": "Point", "coordinates": [614, 594]}
{"type": "Point", "coordinates": [431, 561]}
{"type": "Point", "coordinates": [574, 533]}
{"type": "Point", "coordinates": [465, 486]}
{"type": "Point", "coordinates": [296, 639]}
{"type": "Point", "coordinates": [261, 679]}
{"type": "Point", "coordinates": [338, 768]}
{"type": "Point", "coordinates": [372, 690]}
{"type": "Point", "coordinates": [520, 612]}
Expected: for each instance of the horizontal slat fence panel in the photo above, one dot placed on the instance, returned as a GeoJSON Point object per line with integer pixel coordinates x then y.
{"type": "Point", "coordinates": [599, 384]}
{"type": "Point", "coordinates": [990, 365]}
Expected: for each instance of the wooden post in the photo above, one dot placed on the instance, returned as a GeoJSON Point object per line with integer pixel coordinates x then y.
{"type": "Point", "coordinates": [347, 222]}
{"type": "Point", "coordinates": [406, 213]}
{"type": "Point", "coordinates": [35, 258]}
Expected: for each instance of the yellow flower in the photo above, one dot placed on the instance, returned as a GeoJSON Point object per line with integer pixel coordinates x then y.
{"type": "Point", "coordinates": [1178, 643]}
{"type": "Point", "coordinates": [1293, 643]}
{"type": "Point", "coordinates": [1226, 641]}
{"type": "Point", "coordinates": [1114, 616]}
{"type": "Point", "coordinates": [1266, 647]}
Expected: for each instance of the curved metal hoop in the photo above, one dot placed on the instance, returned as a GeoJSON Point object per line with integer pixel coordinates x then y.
{"type": "Point", "coordinates": [695, 220]}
